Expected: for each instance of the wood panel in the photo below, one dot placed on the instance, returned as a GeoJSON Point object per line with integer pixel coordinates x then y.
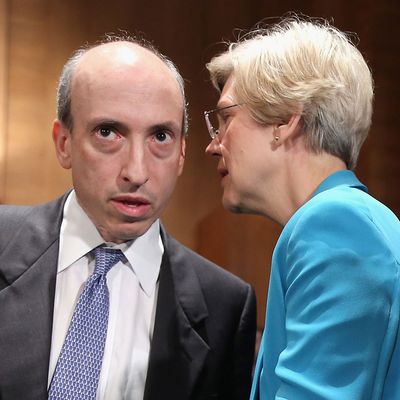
{"type": "Point", "coordinates": [41, 34]}
{"type": "Point", "coordinates": [45, 32]}
{"type": "Point", "coordinates": [244, 245]}
{"type": "Point", "coordinates": [32, 81]}
{"type": "Point", "coordinates": [3, 92]}
{"type": "Point", "coordinates": [384, 142]}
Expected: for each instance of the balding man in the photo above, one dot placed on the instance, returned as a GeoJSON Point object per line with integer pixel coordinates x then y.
{"type": "Point", "coordinates": [97, 301]}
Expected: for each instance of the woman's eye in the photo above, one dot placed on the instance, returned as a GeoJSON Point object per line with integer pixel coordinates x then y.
{"type": "Point", "coordinates": [225, 115]}
{"type": "Point", "coordinates": [222, 118]}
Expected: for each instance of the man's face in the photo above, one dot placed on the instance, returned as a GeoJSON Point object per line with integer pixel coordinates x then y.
{"type": "Point", "coordinates": [126, 148]}
{"type": "Point", "coordinates": [245, 158]}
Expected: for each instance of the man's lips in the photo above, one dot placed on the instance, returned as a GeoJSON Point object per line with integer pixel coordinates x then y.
{"type": "Point", "coordinates": [133, 206]}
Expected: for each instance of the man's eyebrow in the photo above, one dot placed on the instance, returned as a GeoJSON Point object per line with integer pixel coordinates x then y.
{"type": "Point", "coordinates": [122, 127]}
{"type": "Point", "coordinates": [167, 125]}
{"type": "Point", "coordinates": [107, 122]}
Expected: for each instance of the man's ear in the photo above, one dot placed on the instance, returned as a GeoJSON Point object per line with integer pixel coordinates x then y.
{"type": "Point", "coordinates": [182, 153]}
{"type": "Point", "coordinates": [62, 143]}
{"type": "Point", "coordinates": [290, 130]}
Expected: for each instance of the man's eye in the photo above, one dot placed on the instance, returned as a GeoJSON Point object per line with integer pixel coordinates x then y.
{"type": "Point", "coordinates": [107, 133]}
{"type": "Point", "coordinates": [162, 136]}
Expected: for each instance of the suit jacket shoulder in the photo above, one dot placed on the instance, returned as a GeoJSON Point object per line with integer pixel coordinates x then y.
{"type": "Point", "coordinates": [28, 266]}
{"type": "Point", "coordinates": [210, 275]}
{"type": "Point", "coordinates": [26, 232]}
{"type": "Point", "coordinates": [203, 346]}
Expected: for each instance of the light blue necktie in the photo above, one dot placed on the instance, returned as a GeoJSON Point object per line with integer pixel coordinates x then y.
{"type": "Point", "coordinates": [77, 372]}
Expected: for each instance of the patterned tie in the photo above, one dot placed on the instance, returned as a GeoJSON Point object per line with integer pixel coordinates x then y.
{"type": "Point", "coordinates": [77, 373]}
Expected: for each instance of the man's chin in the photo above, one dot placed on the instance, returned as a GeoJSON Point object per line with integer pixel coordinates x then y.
{"type": "Point", "coordinates": [125, 232]}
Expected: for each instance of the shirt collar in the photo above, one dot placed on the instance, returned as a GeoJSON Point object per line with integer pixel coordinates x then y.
{"type": "Point", "coordinates": [79, 236]}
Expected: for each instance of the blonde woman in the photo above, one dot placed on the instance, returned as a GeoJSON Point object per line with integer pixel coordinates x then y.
{"type": "Point", "coordinates": [294, 110]}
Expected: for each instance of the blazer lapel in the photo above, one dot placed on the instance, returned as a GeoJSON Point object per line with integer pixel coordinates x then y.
{"type": "Point", "coordinates": [26, 310]}
{"type": "Point", "coordinates": [179, 347]}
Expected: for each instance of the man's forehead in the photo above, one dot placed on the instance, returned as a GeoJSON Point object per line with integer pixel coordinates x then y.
{"type": "Point", "coordinates": [119, 53]}
{"type": "Point", "coordinates": [111, 62]}
{"type": "Point", "coordinates": [122, 73]}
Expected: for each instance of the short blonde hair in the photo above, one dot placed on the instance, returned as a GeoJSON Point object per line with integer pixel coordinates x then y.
{"type": "Point", "coordinates": [303, 66]}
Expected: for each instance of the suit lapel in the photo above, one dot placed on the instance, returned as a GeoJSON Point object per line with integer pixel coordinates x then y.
{"type": "Point", "coordinates": [179, 347]}
{"type": "Point", "coordinates": [26, 310]}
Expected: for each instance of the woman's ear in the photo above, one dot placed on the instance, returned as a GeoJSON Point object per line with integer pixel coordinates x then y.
{"type": "Point", "coordinates": [284, 132]}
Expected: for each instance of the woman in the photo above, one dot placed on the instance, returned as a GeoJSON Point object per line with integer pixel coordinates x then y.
{"type": "Point", "coordinates": [294, 110]}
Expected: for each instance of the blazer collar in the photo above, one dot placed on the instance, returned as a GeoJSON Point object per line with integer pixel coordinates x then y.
{"type": "Point", "coordinates": [186, 282]}
{"type": "Point", "coordinates": [340, 178]}
{"type": "Point", "coordinates": [179, 346]}
{"type": "Point", "coordinates": [38, 233]}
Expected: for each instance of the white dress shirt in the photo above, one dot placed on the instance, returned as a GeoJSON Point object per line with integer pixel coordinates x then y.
{"type": "Point", "coordinates": [133, 288]}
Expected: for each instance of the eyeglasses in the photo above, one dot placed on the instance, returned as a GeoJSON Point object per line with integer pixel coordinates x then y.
{"type": "Point", "coordinates": [212, 120]}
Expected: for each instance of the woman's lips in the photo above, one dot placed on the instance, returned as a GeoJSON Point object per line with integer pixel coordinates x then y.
{"type": "Point", "coordinates": [222, 172]}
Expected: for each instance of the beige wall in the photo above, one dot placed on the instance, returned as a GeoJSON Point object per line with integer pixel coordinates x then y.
{"type": "Point", "coordinates": [37, 36]}
{"type": "Point", "coordinates": [32, 173]}
{"type": "Point", "coordinates": [3, 91]}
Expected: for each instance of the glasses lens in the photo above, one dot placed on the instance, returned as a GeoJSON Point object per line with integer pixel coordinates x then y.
{"type": "Point", "coordinates": [213, 118]}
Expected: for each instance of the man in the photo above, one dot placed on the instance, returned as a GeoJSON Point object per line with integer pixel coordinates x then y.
{"type": "Point", "coordinates": [167, 323]}
{"type": "Point", "coordinates": [294, 110]}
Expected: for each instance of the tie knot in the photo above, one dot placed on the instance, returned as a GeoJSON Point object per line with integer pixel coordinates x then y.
{"type": "Point", "coordinates": [106, 258]}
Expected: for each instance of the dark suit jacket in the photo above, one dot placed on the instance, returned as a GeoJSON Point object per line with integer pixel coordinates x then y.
{"type": "Point", "coordinates": [203, 340]}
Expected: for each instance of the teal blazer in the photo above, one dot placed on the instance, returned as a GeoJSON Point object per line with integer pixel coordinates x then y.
{"type": "Point", "coordinates": [332, 323]}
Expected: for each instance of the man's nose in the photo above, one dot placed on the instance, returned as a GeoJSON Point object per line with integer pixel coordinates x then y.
{"type": "Point", "coordinates": [135, 165]}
